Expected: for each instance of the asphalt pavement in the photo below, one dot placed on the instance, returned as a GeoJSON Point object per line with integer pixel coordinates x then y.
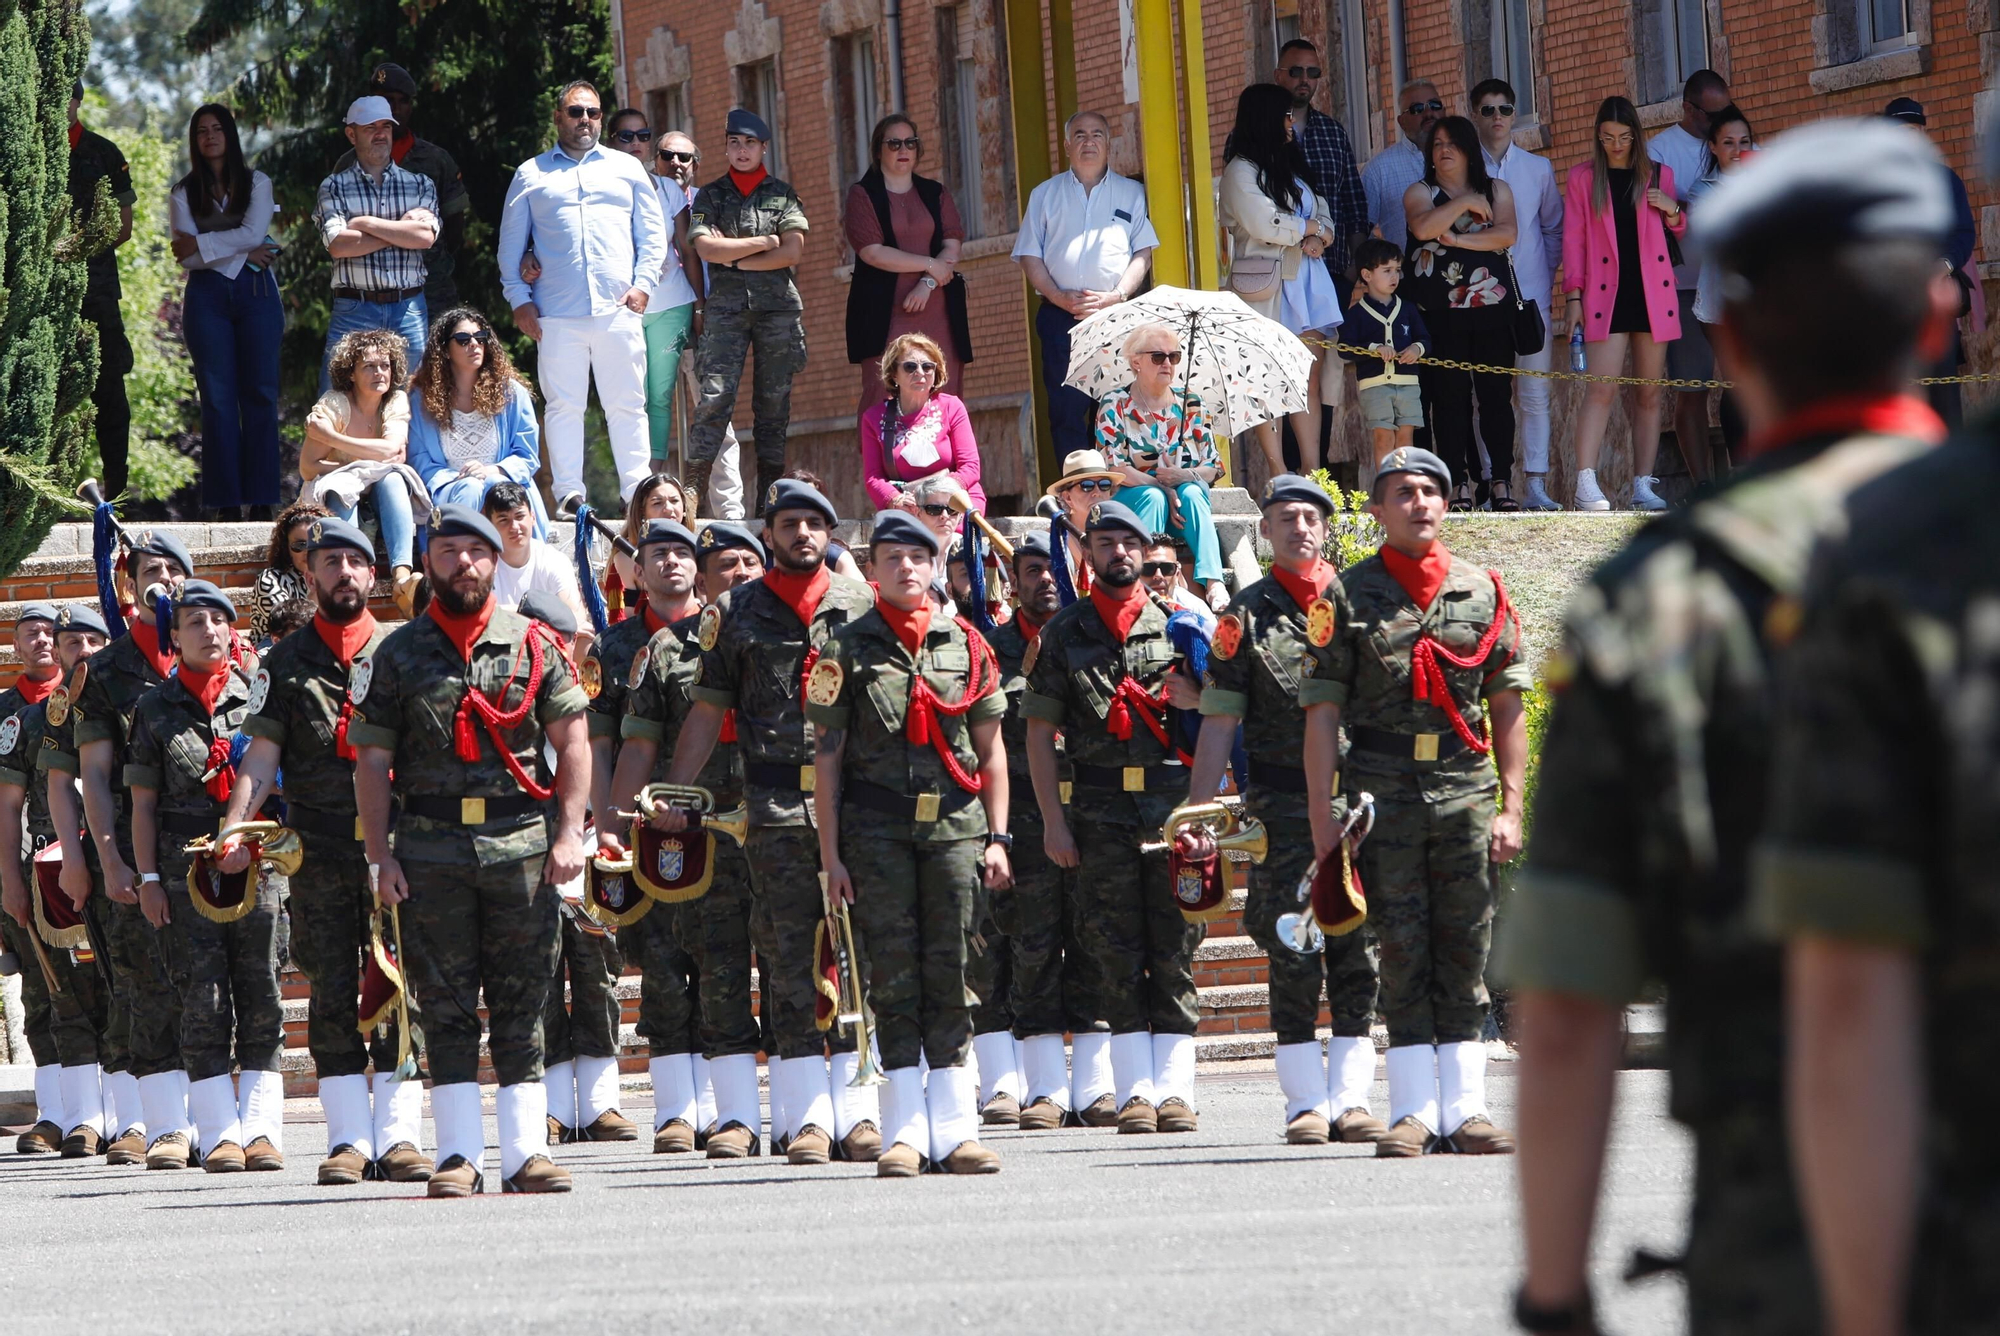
{"type": "Point", "coordinates": [1226, 1230]}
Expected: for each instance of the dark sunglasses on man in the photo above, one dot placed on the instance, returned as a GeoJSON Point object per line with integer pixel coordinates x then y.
{"type": "Point", "coordinates": [1157, 568]}
{"type": "Point", "coordinates": [1503, 109]}
{"type": "Point", "coordinates": [1419, 108]}
{"type": "Point", "coordinates": [676, 155]}
{"type": "Point", "coordinates": [633, 136]}
{"type": "Point", "coordinates": [1303, 71]}
{"type": "Point", "coordinates": [577, 112]}
{"type": "Point", "coordinates": [466, 338]}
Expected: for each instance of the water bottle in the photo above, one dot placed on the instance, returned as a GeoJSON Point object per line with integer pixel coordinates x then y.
{"type": "Point", "coordinates": [1576, 362]}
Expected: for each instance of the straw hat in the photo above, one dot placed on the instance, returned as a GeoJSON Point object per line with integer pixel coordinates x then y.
{"type": "Point", "coordinates": [1081, 466]}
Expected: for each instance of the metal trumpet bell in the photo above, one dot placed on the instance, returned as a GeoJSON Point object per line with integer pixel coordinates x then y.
{"type": "Point", "coordinates": [698, 801]}
{"type": "Point", "coordinates": [1238, 837]}
{"type": "Point", "coordinates": [853, 1006]}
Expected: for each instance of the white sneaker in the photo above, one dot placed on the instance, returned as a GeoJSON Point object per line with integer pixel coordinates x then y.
{"type": "Point", "coordinates": [1643, 495]}
{"type": "Point", "coordinates": [1588, 495]}
{"type": "Point", "coordinates": [1538, 497]}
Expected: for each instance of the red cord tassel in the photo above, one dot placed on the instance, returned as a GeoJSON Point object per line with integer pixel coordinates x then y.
{"type": "Point", "coordinates": [1427, 680]}
{"type": "Point", "coordinates": [341, 746]}
{"type": "Point", "coordinates": [920, 726]}
{"type": "Point", "coordinates": [222, 775]}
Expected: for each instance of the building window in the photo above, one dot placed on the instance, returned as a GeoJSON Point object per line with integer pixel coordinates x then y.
{"type": "Point", "coordinates": [757, 91]}
{"type": "Point", "coordinates": [1673, 43]}
{"type": "Point", "coordinates": [1512, 57]}
{"type": "Point", "coordinates": [667, 108]}
{"type": "Point", "coordinates": [1347, 57]}
{"type": "Point", "coordinates": [856, 106]}
{"type": "Point", "coordinates": [1885, 25]}
{"type": "Point", "coordinates": [1277, 22]}
{"type": "Point", "coordinates": [960, 158]}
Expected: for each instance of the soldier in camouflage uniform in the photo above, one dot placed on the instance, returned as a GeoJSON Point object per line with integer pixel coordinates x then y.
{"type": "Point", "coordinates": [298, 723]}
{"type": "Point", "coordinates": [757, 643]}
{"type": "Point", "coordinates": [179, 770]}
{"type": "Point", "coordinates": [1254, 668]}
{"type": "Point", "coordinates": [752, 245]}
{"type": "Point", "coordinates": [1099, 672]}
{"type": "Point", "coordinates": [460, 702]}
{"type": "Point", "coordinates": [911, 797]}
{"type": "Point", "coordinates": [1423, 654]}
{"type": "Point", "coordinates": [697, 958]}
{"type": "Point", "coordinates": [1658, 756]}
{"type": "Point", "coordinates": [85, 748]}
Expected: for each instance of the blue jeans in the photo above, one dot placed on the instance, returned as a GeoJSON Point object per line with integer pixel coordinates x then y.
{"type": "Point", "coordinates": [410, 318]}
{"type": "Point", "coordinates": [1070, 409]}
{"type": "Point", "coordinates": [392, 512]}
{"type": "Point", "coordinates": [1196, 529]}
{"type": "Point", "coordinates": [232, 327]}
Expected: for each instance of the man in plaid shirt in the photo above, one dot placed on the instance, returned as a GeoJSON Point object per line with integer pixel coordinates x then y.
{"type": "Point", "coordinates": [1329, 154]}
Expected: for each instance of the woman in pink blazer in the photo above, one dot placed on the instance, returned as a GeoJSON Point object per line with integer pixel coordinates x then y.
{"type": "Point", "coordinates": [1618, 276]}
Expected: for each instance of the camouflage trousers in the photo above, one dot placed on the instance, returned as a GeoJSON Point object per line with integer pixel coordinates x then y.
{"type": "Point", "coordinates": [784, 878]}
{"type": "Point", "coordinates": [142, 1032]}
{"type": "Point", "coordinates": [1050, 986]}
{"type": "Point", "coordinates": [65, 1026]}
{"type": "Point", "coordinates": [1749, 1267]}
{"type": "Point", "coordinates": [697, 997]}
{"type": "Point", "coordinates": [37, 1014]}
{"type": "Point", "coordinates": [990, 976]}
{"type": "Point", "coordinates": [582, 1022]}
{"type": "Point", "coordinates": [330, 908]}
{"type": "Point", "coordinates": [670, 977]}
{"type": "Point", "coordinates": [227, 975]}
{"type": "Point", "coordinates": [469, 928]}
{"type": "Point", "coordinates": [916, 903]}
{"type": "Point", "coordinates": [1429, 885]}
{"type": "Point", "coordinates": [1138, 949]}
{"type": "Point", "coordinates": [779, 339]}
{"type": "Point", "coordinates": [1345, 971]}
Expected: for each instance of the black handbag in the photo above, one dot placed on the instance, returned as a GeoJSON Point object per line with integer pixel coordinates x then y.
{"type": "Point", "coordinates": [1529, 331]}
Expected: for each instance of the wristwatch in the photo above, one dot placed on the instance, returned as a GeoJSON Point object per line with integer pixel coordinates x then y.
{"type": "Point", "coordinates": [928, 281]}
{"type": "Point", "coordinates": [1004, 840]}
{"type": "Point", "coordinates": [145, 877]}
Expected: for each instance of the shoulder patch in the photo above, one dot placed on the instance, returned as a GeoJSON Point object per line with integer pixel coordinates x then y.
{"type": "Point", "coordinates": [358, 680]}
{"type": "Point", "coordinates": [1228, 635]}
{"type": "Point", "coordinates": [823, 687]}
{"type": "Point", "coordinates": [260, 687]}
{"type": "Point", "coordinates": [638, 672]}
{"type": "Point", "coordinates": [591, 673]}
{"type": "Point", "coordinates": [58, 707]}
{"type": "Point", "coordinates": [10, 734]}
{"type": "Point", "coordinates": [710, 627]}
{"type": "Point", "coordinates": [1028, 656]}
{"type": "Point", "coordinates": [1320, 623]}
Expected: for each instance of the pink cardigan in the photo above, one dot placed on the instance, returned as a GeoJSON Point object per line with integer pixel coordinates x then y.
{"type": "Point", "coordinates": [958, 453]}
{"type": "Point", "coordinates": [1590, 257]}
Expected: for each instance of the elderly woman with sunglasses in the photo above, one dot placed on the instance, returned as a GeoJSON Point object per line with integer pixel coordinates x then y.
{"type": "Point", "coordinates": [1156, 434]}
{"type": "Point", "coordinates": [472, 422]}
{"type": "Point", "coordinates": [916, 430]}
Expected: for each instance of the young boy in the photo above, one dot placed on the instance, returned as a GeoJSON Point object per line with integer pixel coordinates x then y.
{"type": "Point", "coordinates": [526, 562]}
{"type": "Point", "coordinates": [1393, 330]}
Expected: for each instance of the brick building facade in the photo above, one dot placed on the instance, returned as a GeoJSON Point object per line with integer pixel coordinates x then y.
{"type": "Point", "coordinates": [822, 72]}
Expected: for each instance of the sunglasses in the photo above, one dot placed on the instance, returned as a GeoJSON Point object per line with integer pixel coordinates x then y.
{"type": "Point", "coordinates": [577, 112]}
{"type": "Point", "coordinates": [917, 368]}
{"type": "Point", "coordinates": [1503, 109]}
{"type": "Point", "coordinates": [629, 136]}
{"type": "Point", "coordinates": [297, 545]}
{"type": "Point", "coordinates": [466, 340]}
{"type": "Point", "coordinates": [1153, 568]}
{"type": "Point", "coordinates": [1095, 485]}
{"type": "Point", "coordinates": [913, 143]}
{"type": "Point", "coordinates": [1160, 358]}
{"type": "Point", "coordinates": [1304, 71]}
{"type": "Point", "coordinates": [1418, 108]}
{"type": "Point", "coordinates": [935, 512]}
{"type": "Point", "coordinates": [676, 155]}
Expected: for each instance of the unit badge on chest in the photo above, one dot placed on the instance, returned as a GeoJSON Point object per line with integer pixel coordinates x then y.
{"type": "Point", "coordinates": [359, 679]}
{"type": "Point", "coordinates": [1319, 623]}
{"type": "Point", "coordinates": [823, 687]}
{"type": "Point", "coordinates": [710, 628]}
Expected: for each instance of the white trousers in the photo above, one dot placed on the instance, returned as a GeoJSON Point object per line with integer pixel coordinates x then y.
{"type": "Point", "coordinates": [611, 348]}
{"type": "Point", "coordinates": [725, 480]}
{"type": "Point", "coordinates": [1531, 403]}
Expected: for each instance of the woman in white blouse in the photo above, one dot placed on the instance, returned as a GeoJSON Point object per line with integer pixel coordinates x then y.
{"type": "Point", "coordinates": [231, 318]}
{"type": "Point", "coordinates": [472, 423]}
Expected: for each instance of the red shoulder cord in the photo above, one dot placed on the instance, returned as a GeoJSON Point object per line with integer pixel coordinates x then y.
{"type": "Point", "coordinates": [466, 742]}
{"type": "Point", "coordinates": [1152, 712]}
{"type": "Point", "coordinates": [921, 724]}
{"type": "Point", "coordinates": [1427, 679]}
{"type": "Point", "coordinates": [221, 774]}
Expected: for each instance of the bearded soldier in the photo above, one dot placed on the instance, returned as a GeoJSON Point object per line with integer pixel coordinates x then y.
{"type": "Point", "coordinates": [459, 702]}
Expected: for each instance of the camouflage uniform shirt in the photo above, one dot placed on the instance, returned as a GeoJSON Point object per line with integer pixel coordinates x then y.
{"type": "Point", "coordinates": [658, 706]}
{"type": "Point", "coordinates": [118, 676]}
{"type": "Point", "coordinates": [171, 734]}
{"type": "Point", "coordinates": [771, 210]}
{"type": "Point", "coordinates": [303, 688]}
{"type": "Point", "coordinates": [1258, 679]}
{"type": "Point", "coordinates": [21, 729]}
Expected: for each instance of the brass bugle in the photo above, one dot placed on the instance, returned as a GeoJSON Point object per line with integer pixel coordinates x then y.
{"type": "Point", "coordinates": [854, 1007]}
{"type": "Point", "coordinates": [962, 503]}
{"type": "Point", "coordinates": [92, 495]}
{"type": "Point", "coordinates": [567, 511]}
{"type": "Point", "coordinates": [698, 803]}
{"type": "Point", "coordinates": [278, 846]}
{"type": "Point", "coordinates": [1236, 836]}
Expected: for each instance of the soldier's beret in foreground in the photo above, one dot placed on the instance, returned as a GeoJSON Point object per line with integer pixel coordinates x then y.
{"type": "Point", "coordinates": [1409, 459]}
{"type": "Point", "coordinates": [1032, 545]}
{"type": "Point", "coordinates": [746, 122]}
{"type": "Point", "coordinates": [1295, 487]}
{"type": "Point", "coordinates": [792, 494]}
{"type": "Point", "coordinates": [721, 534]}
{"type": "Point", "coordinates": [37, 612]}
{"type": "Point", "coordinates": [667, 531]}
{"type": "Point", "coordinates": [1108, 515]}
{"type": "Point", "coordinates": [202, 594]}
{"type": "Point", "coordinates": [330, 532]}
{"type": "Point", "coordinates": [159, 543]}
{"type": "Point", "coordinates": [390, 77]}
{"type": "Point", "coordinates": [463, 522]}
{"type": "Point", "coordinates": [82, 617]}
{"type": "Point", "coordinates": [1820, 186]}
{"type": "Point", "coordinates": [543, 606]}
{"type": "Point", "coordinates": [900, 526]}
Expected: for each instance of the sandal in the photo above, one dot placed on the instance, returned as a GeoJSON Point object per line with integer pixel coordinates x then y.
{"type": "Point", "coordinates": [1500, 497]}
{"type": "Point", "coordinates": [1462, 499]}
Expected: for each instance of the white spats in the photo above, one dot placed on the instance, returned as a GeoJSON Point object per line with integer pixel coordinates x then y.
{"type": "Point", "coordinates": [1350, 1073]}
{"type": "Point", "coordinates": [596, 1089]}
{"type": "Point", "coordinates": [1090, 1075]}
{"type": "Point", "coordinates": [460, 1131]}
{"type": "Point", "coordinates": [185, 1104]}
{"type": "Point", "coordinates": [348, 1118]}
{"type": "Point", "coordinates": [999, 1066]}
{"type": "Point", "coordinates": [49, 1096]}
{"type": "Point", "coordinates": [1462, 1083]}
{"type": "Point", "coordinates": [213, 1100]}
{"type": "Point", "coordinates": [1413, 1088]}
{"type": "Point", "coordinates": [399, 1113]}
{"type": "Point", "coordinates": [163, 1100]}
{"type": "Point", "coordinates": [1045, 1069]}
{"type": "Point", "coordinates": [904, 1110]}
{"type": "Point", "coordinates": [673, 1090]}
{"type": "Point", "coordinates": [852, 1105]}
{"type": "Point", "coordinates": [127, 1112]}
{"type": "Point", "coordinates": [523, 1112]}
{"type": "Point", "coordinates": [82, 1098]}
{"type": "Point", "coordinates": [560, 1081]}
{"type": "Point", "coordinates": [735, 1081]}
{"type": "Point", "coordinates": [261, 1107]}
{"type": "Point", "coordinates": [808, 1099]}
{"type": "Point", "coordinates": [1173, 1068]}
{"type": "Point", "coordinates": [781, 1123]}
{"type": "Point", "coordinates": [704, 1094]}
{"type": "Point", "coordinates": [1301, 1079]}
{"type": "Point", "coordinates": [1132, 1067]}
{"type": "Point", "coordinates": [952, 1100]}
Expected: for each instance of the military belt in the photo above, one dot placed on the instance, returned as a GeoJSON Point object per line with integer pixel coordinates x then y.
{"type": "Point", "coordinates": [188, 823]}
{"type": "Point", "coordinates": [1410, 746]}
{"type": "Point", "coordinates": [785, 778]}
{"type": "Point", "coordinates": [1280, 778]}
{"type": "Point", "coordinates": [329, 825]}
{"type": "Point", "coordinates": [1168, 777]}
{"type": "Point", "coordinates": [471, 811]}
{"type": "Point", "coordinates": [913, 806]}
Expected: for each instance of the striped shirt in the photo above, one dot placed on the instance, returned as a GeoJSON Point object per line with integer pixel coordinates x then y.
{"type": "Point", "coordinates": [353, 194]}
{"type": "Point", "coordinates": [1333, 178]}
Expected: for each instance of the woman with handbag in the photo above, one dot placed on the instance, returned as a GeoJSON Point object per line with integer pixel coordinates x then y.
{"type": "Point", "coordinates": [1461, 223]}
{"type": "Point", "coordinates": [1278, 231]}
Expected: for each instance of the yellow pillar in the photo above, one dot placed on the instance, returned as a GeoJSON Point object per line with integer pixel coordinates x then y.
{"type": "Point", "coordinates": [1062, 57]}
{"type": "Point", "coordinates": [1160, 138]}
{"type": "Point", "coordinates": [1207, 268]}
{"type": "Point", "coordinates": [1023, 24]}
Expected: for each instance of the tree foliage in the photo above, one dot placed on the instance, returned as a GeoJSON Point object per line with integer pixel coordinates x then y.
{"type": "Point", "coordinates": [161, 383]}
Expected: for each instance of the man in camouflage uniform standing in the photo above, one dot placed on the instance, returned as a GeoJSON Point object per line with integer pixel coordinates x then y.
{"type": "Point", "coordinates": [757, 645]}
{"type": "Point", "coordinates": [179, 770]}
{"type": "Point", "coordinates": [1254, 668]}
{"type": "Point", "coordinates": [460, 703]}
{"type": "Point", "coordinates": [85, 748]}
{"type": "Point", "coordinates": [697, 957]}
{"type": "Point", "coordinates": [1421, 659]}
{"type": "Point", "coordinates": [298, 722]}
{"type": "Point", "coordinates": [1655, 770]}
{"type": "Point", "coordinates": [751, 229]}
{"type": "Point", "coordinates": [1099, 672]}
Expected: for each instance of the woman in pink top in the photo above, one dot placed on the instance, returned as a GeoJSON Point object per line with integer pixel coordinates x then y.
{"type": "Point", "coordinates": [916, 430]}
{"type": "Point", "coordinates": [1618, 275]}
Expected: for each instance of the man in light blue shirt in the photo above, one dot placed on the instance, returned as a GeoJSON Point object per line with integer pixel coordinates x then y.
{"type": "Point", "coordinates": [600, 237]}
{"type": "Point", "coordinates": [1401, 165]}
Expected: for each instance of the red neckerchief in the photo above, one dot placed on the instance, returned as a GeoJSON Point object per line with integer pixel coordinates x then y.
{"type": "Point", "coordinates": [1118, 615]}
{"type": "Point", "coordinates": [801, 593]}
{"type": "Point", "coordinates": [147, 638]}
{"type": "Point", "coordinates": [345, 640]}
{"type": "Point", "coordinates": [220, 776]}
{"type": "Point", "coordinates": [745, 182]}
{"type": "Point", "coordinates": [1421, 577]}
{"type": "Point", "coordinates": [920, 722]}
{"type": "Point", "coordinates": [400, 146]}
{"type": "Point", "coordinates": [462, 632]}
{"type": "Point", "coordinates": [1427, 682]}
{"type": "Point", "coordinates": [35, 690]}
{"type": "Point", "coordinates": [1872, 414]}
{"type": "Point", "coordinates": [75, 133]}
{"type": "Point", "coordinates": [654, 623]}
{"type": "Point", "coordinates": [909, 626]}
{"type": "Point", "coordinates": [1305, 588]}
{"type": "Point", "coordinates": [205, 687]}
{"type": "Point", "coordinates": [1030, 628]}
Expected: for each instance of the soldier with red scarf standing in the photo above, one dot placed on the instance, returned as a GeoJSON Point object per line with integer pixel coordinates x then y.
{"type": "Point", "coordinates": [1425, 659]}
{"type": "Point", "coordinates": [459, 702]}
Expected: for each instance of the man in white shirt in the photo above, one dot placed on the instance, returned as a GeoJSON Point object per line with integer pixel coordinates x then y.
{"type": "Point", "coordinates": [676, 160]}
{"type": "Point", "coordinates": [526, 562]}
{"type": "Point", "coordinates": [1538, 244]}
{"type": "Point", "coordinates": [1683, 149]}
{"type": "Point", "coordinates": [1085, 243]}
{"type": "Point", "coordinates": [1401, 165]}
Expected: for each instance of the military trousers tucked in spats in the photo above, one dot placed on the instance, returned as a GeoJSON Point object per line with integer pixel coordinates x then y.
{"type": "Point", "coordinates": [37, 1009]}
{"type": "Point", "coordinates": [719, 930]}
{"type": "Point", "coordinates": [779, 338]}
{"type": "Point", "coordinates": [1345, 971]}
{"type": "Point", "coordinates": [990, 976]}
{"type": "Point", "coordinates": [670, 979]}
{"type": "Point", "coordinates": [784, 876]}
{"type": "Point", "coordinates": [76, 1016]}
{"type": "Point", "coordinates": [1749, 1268]}
{"type": "Point", "coordinates": [582, 1022]}
{"type": "Point", "coordinates": [227, 975]}
{"type": "Point", "coordinates": [1051, 989]}
{"type": "Point", "coordinates": [145, 1023]}
{"type": "Point", "coordinates": [1129, 926]}
{"type": "Point", "coordinates": [471, 927]}
{"type": "Point", "coordinates": [916, 903]}
{"type": "Point", "coordinates": [330, 908]}
{"type": "Point", "coordinates": [1429, 885]}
